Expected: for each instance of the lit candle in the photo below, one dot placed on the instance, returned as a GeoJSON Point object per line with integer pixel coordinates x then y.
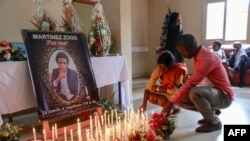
{"type": "Point", "coordinates": [86, 89]}
{"type": "Point", "coordinates": [91, 125]}
{"type": "Point", "coordinates": [102, 120]}
{"type": "Point", "coordinates": [79, 129]}
{"type": "Point", "coordinates": [116, 115]}
{"type": "Point", "coordinates": [71, 134]}
{"type": "Point", "coordinates": [100, 133]}
{"type": "Point", "coordinates": [87, 135]}
{"type": "Point", "coordinates": [95, 121]}
{"type": "Point", "coordinates": [53, 133]}
{"type": "Point", "coordinates": [56, 131]}
{"type": "Point", "coordinates": [105, 118]}
{"type": "Point", "coordinates": [107, 134]}
{"type": "Point", "coordinates": [146, 119]}
{"type": "Point", "coordinates": [96, 135]}
{"type": "Point", "coordinates": [112, 115]}
{"type": "Point", "coordinates": [44, 135]}
{"type": "Point", "coordinates": [108, 120]}
{"type": "Point", "coordinates": [34, 134]}
{"type": "Point", "coordinates": [65, 133]}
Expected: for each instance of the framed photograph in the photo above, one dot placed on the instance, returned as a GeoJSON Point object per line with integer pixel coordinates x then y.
{"type": "Point", "coordinates": [61, 72]}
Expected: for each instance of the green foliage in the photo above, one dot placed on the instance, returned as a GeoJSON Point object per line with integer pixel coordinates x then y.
{"type": "Point", "coordinates": [164, 32]}
{"type": "Point", "coordinates": [107, 103]}
{"type": "Point", "coordinates": [9, 132]}
{"type": "Point", "coordinates": [17, 54]}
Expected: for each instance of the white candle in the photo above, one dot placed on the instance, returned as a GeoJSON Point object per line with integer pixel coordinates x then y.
{"type": "Point", "coordinates": [34, 134]}
{"type": "Point", "coordinates": [65, 133]}
{"type": "Point", "coordinates": [71, 134]}
{"type": "Point", "coordinates": [102, 120]}
{"type": "Point", "coordinates": [105, 118]}
{"type": "Point", "coordinates": [44, 135]}
{"type": "Point", "coordinates": [125, 115]}
{"type": "Point", "coordinates": [113, 133]}
{"type": "Point", "coordinates": [79, 129]}
{"type": "Point", "coordinates": [146, 119]}
{"type": "Point", "coordinates": [107, 134]}
{"type": "Point", "coordinates": [95, 122]}
{"type": "Point", "coordinates": [53, 133]}
{"type": "Point", "coordinates": [112, 116]}
{"type": "Point", "coordinates": [87, 135]}
{"type": "Point", "coordinates": [56, 131]}
{"type": "Point", "coordinates": [108, 120]}
{"type": "Point", "coordinates": [96, 135]}
{"type": "Point", "coordinates": [91, 126]}
{"type": "Point", "coordinates": [100, 133]}
{"type": "Point", "coordinates": [116, 115]}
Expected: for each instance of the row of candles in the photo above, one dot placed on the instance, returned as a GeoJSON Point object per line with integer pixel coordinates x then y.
{"type": "Point", "coordinates": [106, 128]}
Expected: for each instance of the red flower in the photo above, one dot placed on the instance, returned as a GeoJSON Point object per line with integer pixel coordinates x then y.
{"type": "Point", "coordinates": [137, 136]}
{"type": "Point", "coordinates": [150, 136]}
{"type": "Point", "coordinates": [85, 115]}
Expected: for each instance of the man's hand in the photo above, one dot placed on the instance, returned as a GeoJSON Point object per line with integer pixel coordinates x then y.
{"type": "Point", "coordinates": [167, 109]}
{"type": "Point", "coordinates": [62, 74]}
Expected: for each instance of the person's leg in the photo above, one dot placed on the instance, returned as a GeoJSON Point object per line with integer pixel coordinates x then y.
{"type": "Point", "coordinates": [226, 66]}
{"type": "Point", "coordinates": [207, 100]}
{"type": "Point", "coordinates": [153, 98]}
{"type": "Point", "coordinates": [242, 69]}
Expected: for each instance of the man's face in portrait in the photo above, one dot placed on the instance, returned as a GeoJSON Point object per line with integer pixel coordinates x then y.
{"type": "Point", "coordinates": [62, 64]}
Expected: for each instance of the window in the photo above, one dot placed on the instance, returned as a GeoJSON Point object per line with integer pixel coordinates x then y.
{"type": "Point", "coordinates": [226, 20]}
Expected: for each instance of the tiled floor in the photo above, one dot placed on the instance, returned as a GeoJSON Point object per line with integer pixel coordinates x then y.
{"type": "Point", "coordinates": [238, 113]}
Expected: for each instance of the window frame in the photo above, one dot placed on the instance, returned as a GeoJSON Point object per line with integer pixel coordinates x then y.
{"type": "Point", "coordinates": [204, 22]}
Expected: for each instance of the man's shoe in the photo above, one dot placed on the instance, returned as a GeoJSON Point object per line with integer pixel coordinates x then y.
{"type": "Point", "coordinates": [208, 127]}
{"type": "Point", "coordinates": [202, 121]}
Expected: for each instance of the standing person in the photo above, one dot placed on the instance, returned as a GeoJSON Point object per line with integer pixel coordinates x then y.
{"type": "Point", "coordinates": [203, 99]}
{"type": "Point", "coordinates": [238, 61]}
{"type": "Point", "coordinates": [64, 79]}
{"type": "Point", "coordinates": [173, 33]}
{"type": "Point", "coordinates": [170, 76]}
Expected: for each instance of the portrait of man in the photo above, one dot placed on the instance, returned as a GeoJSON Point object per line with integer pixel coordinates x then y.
{"type": "Point", "coordinates": [63, 78]}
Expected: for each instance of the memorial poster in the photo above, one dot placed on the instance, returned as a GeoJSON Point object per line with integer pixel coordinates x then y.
{"type": "Point", "coordinates": [61, 72]}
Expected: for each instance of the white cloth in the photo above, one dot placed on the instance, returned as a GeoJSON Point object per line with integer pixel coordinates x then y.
{"type": "Point", "coordinates": [16, 91]}
{"type": "Point", "coordinates": [111, 70]}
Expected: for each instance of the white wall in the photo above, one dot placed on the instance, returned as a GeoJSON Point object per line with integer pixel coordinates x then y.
{"type": "Point", "coordinates": [15, 15]}
{"type": "Point", "coordinates": [191, 12]}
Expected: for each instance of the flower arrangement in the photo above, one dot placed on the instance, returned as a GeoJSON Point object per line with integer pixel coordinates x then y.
{"type": "Point", "coordinates": [10, 52]}
{"type": "Point", "coordinates": [161, 125]}
{"type": "Point", "coordinates": [9, 132]}
{"type": "Point", "coordinates": [143, 136]}
{"type": "Point", "coordinates": [70, 19]}
{"type": "Point", "coordinates": [43, 21]}
{"type": "Point", "coordinates": [99, 38]}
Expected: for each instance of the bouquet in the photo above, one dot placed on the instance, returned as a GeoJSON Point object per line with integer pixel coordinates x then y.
{"type": "Point", "coordinates": [8, 52]}
{"type": "Point", "coordinates": [142, 136]}
{"type": "Point", "coordinates": [70, 19]}
{"type": "Point", "coordinates": [99, 38]}
{"type": "Point", "coordinates": [42, 19]}
{"type": "Point", "coordinates": [162, 126]}
{"type": "Point", "coordinates": [9, 132]}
